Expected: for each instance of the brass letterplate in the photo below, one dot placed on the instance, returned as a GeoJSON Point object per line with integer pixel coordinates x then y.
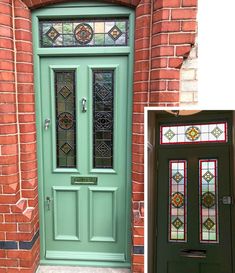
{"type": "Point", "coordinates": [81, 180]}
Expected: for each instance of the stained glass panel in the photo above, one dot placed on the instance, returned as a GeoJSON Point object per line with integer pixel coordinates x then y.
{"type": "Point", "coordinates": [178, 200]}
{"type": "Point", "coordinates": [65, 119]}
{"type": "Point", "coordinates": [84, 32]}
{"type": "Point", "coordinates": [193, 133]}
{"type": "Point", "coordinates": [208, 200]}
{"type": "Point", "coordinates": [103, 82]}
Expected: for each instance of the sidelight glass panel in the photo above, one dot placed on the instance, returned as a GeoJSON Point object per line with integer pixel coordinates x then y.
{"type": "Point", "coordinates": [84, 32]}
{"type": "Point", "coordinates": [208, 200]}
{"type": "Point", "coordinates": [178, 200]}
{"type": "Point", "coordinates": [103, 85]}
{"type": "Point", "coordinates": [65, 119]}
{"type": "Point", "coordinates": [193, 133]}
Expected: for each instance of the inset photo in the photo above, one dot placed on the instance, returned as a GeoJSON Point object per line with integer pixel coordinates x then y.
{"type": "Point", "coordinates": [189, 190]}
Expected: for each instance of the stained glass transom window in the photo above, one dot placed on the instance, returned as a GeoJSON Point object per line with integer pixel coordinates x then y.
{"type": "Point", "coordinates": [208, 200]}
{"type": "Point", "coordinates": [195, 133]}
{"type": "Point", "coordinates": [103, 82]}
{"type": "Point", "coordinates": [90, 32]}
{"type": "Point", "coordinates": [178, 200]}
{"type": "Point", "coordinates": [65, 119]}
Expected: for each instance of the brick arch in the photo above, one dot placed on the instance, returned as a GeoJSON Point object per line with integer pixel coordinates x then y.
{"type": "Point", "coordinates": [32, 4]}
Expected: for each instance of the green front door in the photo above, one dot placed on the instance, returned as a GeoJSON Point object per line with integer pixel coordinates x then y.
{"type": "Point", "coordinates": [84, 134]}
{"type": "Point", "coordinates": [194, 209]}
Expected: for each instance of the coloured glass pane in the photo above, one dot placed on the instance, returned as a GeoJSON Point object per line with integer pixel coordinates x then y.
{"type": "Point", "coordinates": [65, 117]}
{"type": "Point", "coordinates": [77, 33]}
{"type": "Point", "coordinates": [103, 118]}
{"type": "Point", "coordinates": [193, 133]}
{"type": "Point", "coordinates": [208, 200]}
{"type": "Point", "coordinates": [178, 200]}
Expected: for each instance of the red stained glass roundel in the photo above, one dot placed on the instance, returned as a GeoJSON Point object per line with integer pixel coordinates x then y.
{"type": "Point", "coordinates": [208, 199]}
{"type": "Point", "coordinates": [177, 200]}
{"type": "Point", "coordinates": [65, 120]}
{"type": "Point", "coordinates": [83, 33]}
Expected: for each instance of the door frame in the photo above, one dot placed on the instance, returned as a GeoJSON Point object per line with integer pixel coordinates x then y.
{"type": "Point", "coordinates": [83, 10]}
{"type": "Point", "coordinates": [154, 115]}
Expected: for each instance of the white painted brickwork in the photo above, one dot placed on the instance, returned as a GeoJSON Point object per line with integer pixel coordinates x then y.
{"type": "Point", "coordinates": [188, 78]}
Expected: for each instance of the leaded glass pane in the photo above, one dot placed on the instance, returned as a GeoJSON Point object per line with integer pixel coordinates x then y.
{"type": "Point", "coordinates": [178, 200]}
{"type": "Point", "coordinates": [208, 200]}
{"type": "Point", "coordinates": [65, 119]}
{"type": "Point", "coordinates": [84, 32]}
{"type": "Point", "coordinates": [103, 82]}
{"type": "Point", "coordinates": [194, 133]}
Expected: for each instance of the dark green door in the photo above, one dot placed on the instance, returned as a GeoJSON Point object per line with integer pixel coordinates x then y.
{"type": "Point", "coordinates": [84, 110]}
{"type": "Point", "coordinates": [193, 210]}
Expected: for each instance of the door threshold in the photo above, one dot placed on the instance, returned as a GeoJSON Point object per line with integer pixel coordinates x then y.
{"type": "Point", "coordinates": [77, 269]}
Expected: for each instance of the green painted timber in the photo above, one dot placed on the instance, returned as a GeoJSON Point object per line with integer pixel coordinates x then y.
{"type": "Point", "coordinates": [88, 240]}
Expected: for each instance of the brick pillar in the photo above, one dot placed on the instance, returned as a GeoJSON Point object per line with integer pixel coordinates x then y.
{"type": "Point", "coordinates": [140, 100]}
{"type": "Point", "coordinates": [165, 33]}
{"type": "Point", "coordinates": [19, 243]}
{"type": "Point", "coordinates": [174, 27]}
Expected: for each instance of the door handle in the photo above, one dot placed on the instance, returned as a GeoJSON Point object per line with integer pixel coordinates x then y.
{"type": "Point", "coordinates": [226, 200]}
{"type": "Point", "coordinates": [48, 202]}
{"type": "Point", "coordinates": [84, 109]}
{"type": "Point", "coordinates": [193, 253]}
{"type": "Point", "coordinates": [47, 123]}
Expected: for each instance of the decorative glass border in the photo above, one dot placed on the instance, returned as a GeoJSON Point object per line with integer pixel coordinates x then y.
{"type": "Point", "coordinates": [177, 201]}
{"type": "Point", "coordinates": [103, 118]}
{"type": "Point", "coordinates": [84, 32]}
{"type": "Point", "coordinates": [194, 133]}
{"type": "Point", "coordinates": [208, 200]}
{"type": "Point", "coordinates": [65, 111]}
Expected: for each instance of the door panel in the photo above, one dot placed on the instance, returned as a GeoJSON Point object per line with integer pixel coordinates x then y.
{"type": "Point", "coordinates": [66, 210]}
{"type": "Point", "coordinates": [186, 267]}
{"type": "Point", "coordinates": [84, 157]}
{"type": "Point", "coordinates": [103, 226]}
{"type": "Point", "coordinates": [179, 256]}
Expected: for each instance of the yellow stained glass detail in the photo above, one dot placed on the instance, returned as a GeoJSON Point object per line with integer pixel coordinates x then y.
{"type": "Point", "coordinates": [99, 27]}
{"type": "Point", "coordinates": [193, 133]}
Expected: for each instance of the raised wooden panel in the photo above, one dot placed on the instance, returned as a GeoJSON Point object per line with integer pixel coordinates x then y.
{"type": "Point", "coordinates": [210, 267]}
{"type": "Point", "coordinates": [66, 213]}
{"type": "Point", "coordinates": [182, 267]}
{"type": "Point", "coordinates": [103, 215]}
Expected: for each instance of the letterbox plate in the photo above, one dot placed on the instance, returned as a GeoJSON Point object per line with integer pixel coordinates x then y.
{"type": "Point", "coordinates": [84, 180]}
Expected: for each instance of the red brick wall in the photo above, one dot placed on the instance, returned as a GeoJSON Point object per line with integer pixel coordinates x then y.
{"type": "Point", "coordinates": [165, 33]}
{"type": "Point", "coordinates": [18, 182]}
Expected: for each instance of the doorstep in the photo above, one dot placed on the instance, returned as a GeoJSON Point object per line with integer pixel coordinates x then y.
{"type": "Point", "coordinates": [75, 269]}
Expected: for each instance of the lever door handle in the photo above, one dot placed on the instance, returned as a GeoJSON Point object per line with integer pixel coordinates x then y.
{"type": "Point", "coordinates": [47, 123]}
{"type": "Point", "coordinates": [84, 109]}
{"type": "Point", "coordinates": [226, 200]}
{"type": "Point", "coordinates": [48, 202]}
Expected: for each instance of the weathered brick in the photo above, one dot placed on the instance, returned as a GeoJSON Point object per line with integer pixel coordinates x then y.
{"type": "Point", "coordinates": [181, 38]}
{"type": "Point", "coordinates": [170, 26]}
{"type": "Point", "coordinates": [163, 51]}
{"type": "Point", "coordinates": [189, 3]}
{"type": "Point", "coordinates": [166, 4]}
{"type": "Point", "coordinates": [177, 14]}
